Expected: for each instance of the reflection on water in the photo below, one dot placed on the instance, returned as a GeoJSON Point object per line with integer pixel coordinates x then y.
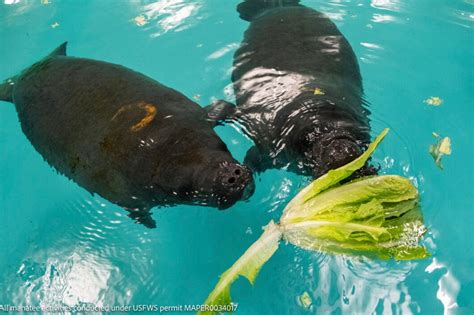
{"type": "Point", "coordinates": [223, 51]}
{"type": "Point", "coordinates": [169, 15]}
{"type": "Point", "coordinates": [72, 278]}
{"type": "Point", "coordinates": [358, 285]}
{"type": "Point", "coordinates": [448, 286]}
{"type": "Point", "coordinates": [80, 278]}
{"type": "Point", "coordinates": [93, 265]}
{"type": "Point", "coordinates": [363, 285]}
{"type": "Point", "coordinates": [382, 18]}
{"type": "Point", "coordinates": [391, 5]}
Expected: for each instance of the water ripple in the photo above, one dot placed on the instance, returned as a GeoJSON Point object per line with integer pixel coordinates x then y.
{"type": "Point", "coordinates": [357, 286]}
{"type": "Point", "coordinates": [91, 264]}
{"type": "Point", "coordinates": [164, 16]}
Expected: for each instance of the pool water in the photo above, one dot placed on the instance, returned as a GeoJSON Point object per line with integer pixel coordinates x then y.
{"type": "Point", "coordinates": [61, 246]}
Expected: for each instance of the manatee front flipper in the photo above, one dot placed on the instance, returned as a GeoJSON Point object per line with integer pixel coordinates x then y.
{"type": "Point", "coordinates": [142, 216]}
{"type": "Point", "coordinates": [220, 111]}
{"type": "Point", "coordinates": [257, 161]}
{"type": "Point", "coordinates": [6, 90]}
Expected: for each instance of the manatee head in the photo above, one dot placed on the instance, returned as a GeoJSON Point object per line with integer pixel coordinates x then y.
{"type": "Point", "coordinates": [205, 176]}
{"type": "Point", "coordinates": [329, 145]}
{"type": "Point", "coordinates": [336, 149]}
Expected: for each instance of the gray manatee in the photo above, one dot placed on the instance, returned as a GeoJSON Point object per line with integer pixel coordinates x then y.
{"type": "Point", "coordinates": [298, 90]}
{"type": "Point", "coordinates": [124, 136]}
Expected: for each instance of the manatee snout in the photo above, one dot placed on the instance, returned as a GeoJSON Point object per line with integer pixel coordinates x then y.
{"type": "Point", "coordinates": [340, 152]}
{"type": "Point", "coordinates": [232, 182]}
{"type": "Point", "coordinates": [337, 151]}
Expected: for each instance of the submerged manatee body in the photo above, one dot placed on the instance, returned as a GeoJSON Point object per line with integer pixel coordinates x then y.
{"type": "Point", "coordinates": [122, 135]}
{"type": "Point", "coordinates": [298, 90]}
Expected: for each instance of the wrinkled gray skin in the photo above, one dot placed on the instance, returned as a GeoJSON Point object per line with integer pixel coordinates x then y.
{"type": "Point", "coordinates": [298, 90]}
{"type": "Point", "coordinates": [124, 136]}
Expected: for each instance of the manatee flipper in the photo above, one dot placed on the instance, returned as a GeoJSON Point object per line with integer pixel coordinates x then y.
{"type": "Point", "coordinates": [251, 9]}
{"type": "Point", "coordinates": [6, 88]}
{"type": "Point", "coordinates": [142, 216]}
{"type": "Point", "coordinates": [256, 160]}
{"type": "Point", "coordinates": [220, 111]}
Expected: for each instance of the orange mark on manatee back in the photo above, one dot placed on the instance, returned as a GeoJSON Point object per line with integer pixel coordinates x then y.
{"type": "Point", "coordinates": [150, 113]}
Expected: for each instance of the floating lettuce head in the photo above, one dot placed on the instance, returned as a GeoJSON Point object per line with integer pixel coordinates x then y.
{"type": "Point", "coordinates": [376, 216]}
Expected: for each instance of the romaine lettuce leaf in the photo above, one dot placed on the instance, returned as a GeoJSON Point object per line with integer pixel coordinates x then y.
{"type": "Point", "coordinates": [371, 216]}
{"type": "Point", "coordinates": [359, 198]}
{"type": "Point", "coordinates": [248, 265]}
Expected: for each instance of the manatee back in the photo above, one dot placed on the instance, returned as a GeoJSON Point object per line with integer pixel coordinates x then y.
{"type": "Point", "coordinates": [89, 119]}
{"type": "Point", "coordinates": [295, 46]}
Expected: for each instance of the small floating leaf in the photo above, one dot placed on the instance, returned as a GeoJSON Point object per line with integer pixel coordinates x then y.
{"type": "Point", "coordinates": [434, 101]}
{"type": "Point", "coordinates": [440, 148]}
{"type": "Point", "coordinates": [305, 300]}
{"type": "Point", "coordinates": [318, 91]}
{"type": "Point", "coordinates": [140, 20]}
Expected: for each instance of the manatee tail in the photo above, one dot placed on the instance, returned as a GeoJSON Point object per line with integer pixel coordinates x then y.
{"type": "Point", "coordinates": [59, 51]}
{"type": "Point", "coordinates": [6, 88]}
{"type": "Point", "coordinates": [251, 9]}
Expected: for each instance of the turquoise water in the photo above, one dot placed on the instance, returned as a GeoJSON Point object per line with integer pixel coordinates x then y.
{"type": "Point", "coordinates": [60, 246]}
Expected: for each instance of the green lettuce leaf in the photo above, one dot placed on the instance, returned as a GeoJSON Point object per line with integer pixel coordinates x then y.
{"type": "Point", "coordinates": [353, 199]}
{"type": "Point", "coordinates": [248, 265]}
{"type": "Point", "coordinates": [371, 216]}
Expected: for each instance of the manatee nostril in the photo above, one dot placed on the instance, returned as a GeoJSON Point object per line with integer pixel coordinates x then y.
{"type": "Point", "coordinates": [234, 178]}
{"type": "Point", "coordinates": [233, 182]}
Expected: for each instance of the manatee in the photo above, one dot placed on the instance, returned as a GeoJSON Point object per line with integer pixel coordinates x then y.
{"type": "Point", "coordinates": [298, 89]}
{"type": "Point", "coordinates": [124, 136]}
